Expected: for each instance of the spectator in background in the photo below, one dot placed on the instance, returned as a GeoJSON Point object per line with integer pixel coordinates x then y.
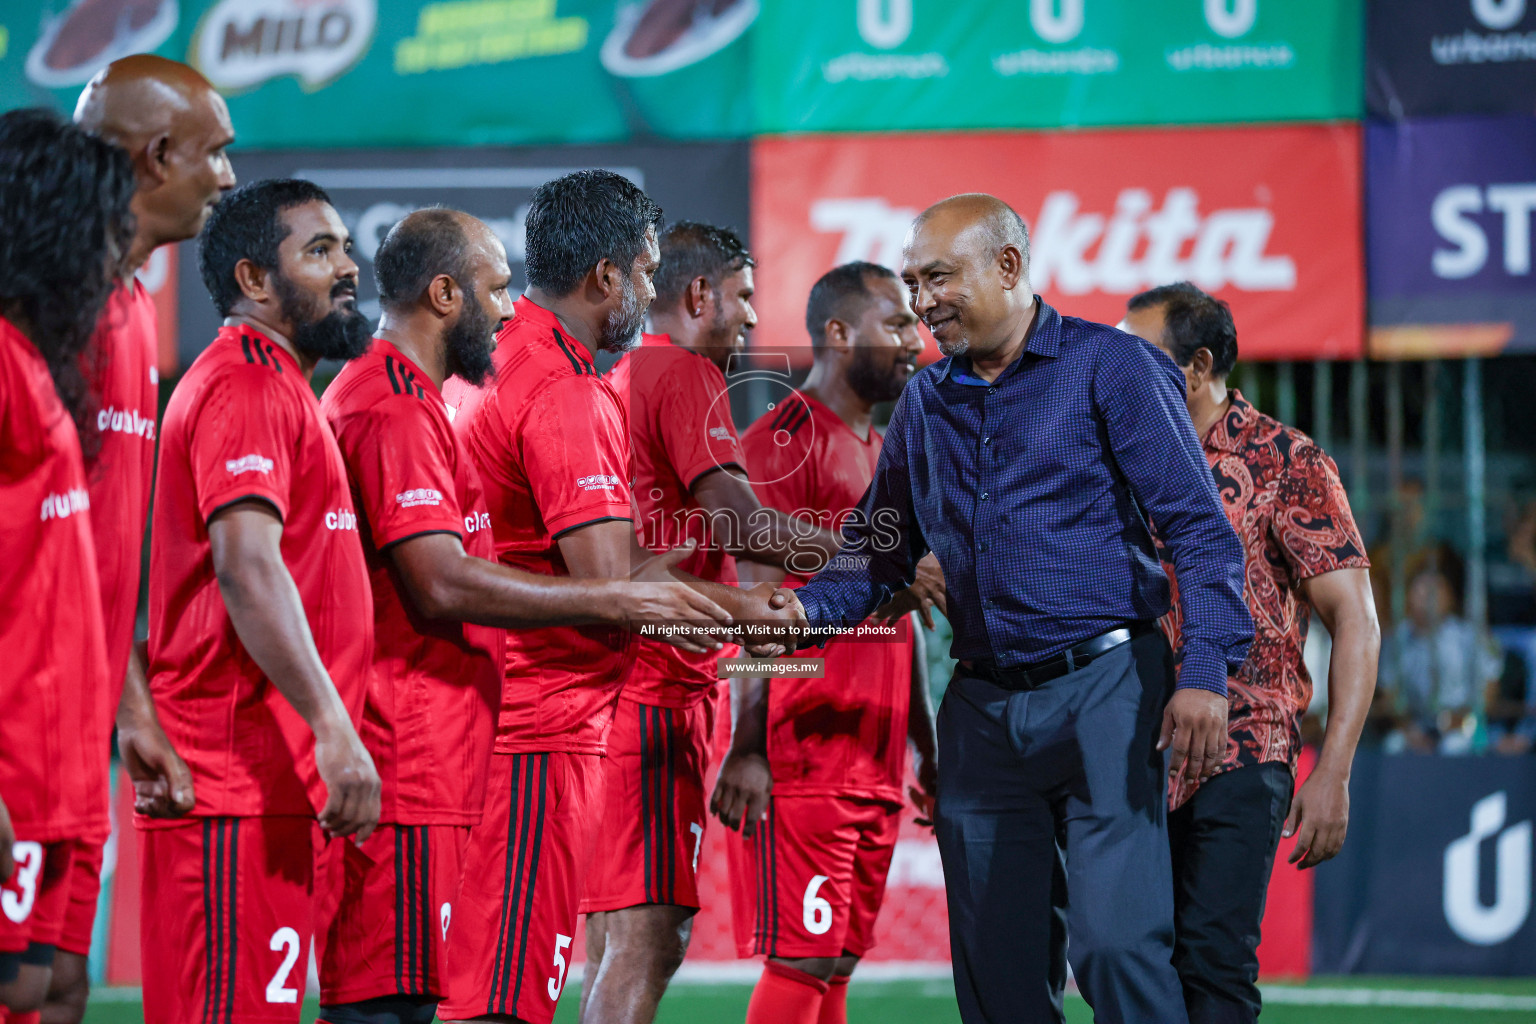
{"type": "Point", "coordinates": [1510, 706]}
{"type": "Point", "coordinates": [1434, 670]}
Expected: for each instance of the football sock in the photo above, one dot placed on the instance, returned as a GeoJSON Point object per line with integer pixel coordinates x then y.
{"type": "Point", "coordinates": [785, 996]}
{"type": "Point", "coordinates": [24, 1018]}
{"type": "Point", "coordinates": [834, 1005]}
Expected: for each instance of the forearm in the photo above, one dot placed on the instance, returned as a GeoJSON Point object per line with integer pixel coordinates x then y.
{"type": "Point", "coordinates": [136, 708]}
{"type": "Point", "coordinates": [749, 716]}
{"type": "Point", "coordinates": [268, 615]}
{"type": "Point", "coordinates": [781, 542]}
{"type": "Point", "coordinates": [1351, 689]}
{"type": "Point", "coordinates": [921, 731]}
{"type": "Point", "coordinates": [471, 589]}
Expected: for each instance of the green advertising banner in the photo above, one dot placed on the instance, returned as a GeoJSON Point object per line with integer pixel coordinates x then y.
{"type": "Point", "coordinates": [327, 73]}
{"type": "Point", "coordinates": [904, 65]}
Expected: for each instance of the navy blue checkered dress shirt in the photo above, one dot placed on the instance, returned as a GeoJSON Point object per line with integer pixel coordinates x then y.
{"type": "Point", "coordinates": [1034, 491]}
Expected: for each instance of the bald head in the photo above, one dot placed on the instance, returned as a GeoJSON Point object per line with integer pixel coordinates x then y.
{"type": "Point", "coordinates": [986, 215]}
{"type": "Point", "coordinates": [175, 126]}
{"type": "Point", "coordinates": [427, 244]}
{"type": "Point", "coordinates": [966, 267]}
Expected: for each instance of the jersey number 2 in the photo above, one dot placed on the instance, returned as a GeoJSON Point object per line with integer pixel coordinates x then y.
{"type": "Point", "coordinates": [278, 989]}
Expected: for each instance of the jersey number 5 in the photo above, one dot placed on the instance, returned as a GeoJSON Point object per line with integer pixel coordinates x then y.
{"type": "Point", "coordinates": [557, 983]}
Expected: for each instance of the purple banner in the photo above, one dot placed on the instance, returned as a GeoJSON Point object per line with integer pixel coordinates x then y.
{"type": "Point", "coordinates": [1449, 206]}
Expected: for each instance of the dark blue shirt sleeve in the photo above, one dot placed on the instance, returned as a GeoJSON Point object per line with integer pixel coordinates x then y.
{"type": "Point", "coordinates": [1155, 447]}
{"type": "Point", "coordinates": [882, 543]}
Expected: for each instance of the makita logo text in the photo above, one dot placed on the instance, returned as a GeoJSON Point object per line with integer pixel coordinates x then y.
{"type": "Point", "coordinates": [597, 482]}
{"type": "Point", "coordinates": [419, 496]}
{"type": "Point", "coordinates": [248, 464]}
{"type": "Point", "coordinates": [341, 519]}
{"type": "Point", "coordinates": [62, 506]}
{"type": "Point", "coordinates": [476, 522]}
{"type": "Point", "coordinates": [1075, 251]}
{"type": "Point", "coordinates": [125, 421]}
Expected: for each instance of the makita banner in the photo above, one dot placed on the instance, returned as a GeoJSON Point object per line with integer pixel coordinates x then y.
{"type": "Point", "coordinates": [1436, 875]}
{"type": "Point", "coordinates": [1450, 57]}
{"type": "Point", "coordinates": [1266, 218]}
{"type": "Point", "coordinates": [373, 189]}
{"type": "Point", "coordinates": [1448, 228]}
{"type": "Point", "coordinates": [904, 65]}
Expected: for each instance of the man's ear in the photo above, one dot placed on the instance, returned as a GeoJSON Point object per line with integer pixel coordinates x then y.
{"type": "Point", "coordinates": [837, 335]}
{"type": "Point", "coordinates": [157, 157]}
{"type": "Point", "coordinates": [254, 282]}
{"type": "Point", "coordinates": [444, 295]}
{"type": "Point", "coordinates": [1010, 265]}
{"type": "Point", "coordinates": [1201, 364]}
{"type": "Point", "coordinates": [698, 297]}
{"type": "Point", "coordinates": [607, 279]}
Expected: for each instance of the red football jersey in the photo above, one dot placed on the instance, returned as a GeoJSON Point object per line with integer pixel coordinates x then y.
{"type": "Point", "coordinates": [430, 717]}
{"type": "Point", "coordinates": [680, 429]}
{"type": "Point", "coordinates": [845, 734]}
{"type": "Point", "coordinates": [126, 382]}
{"type": "Point", "coordinates": [53, 677]}
{"type": "Point", "coordinates": [549, 438]}
{"type": "Point", "coordinates": [243, 423]}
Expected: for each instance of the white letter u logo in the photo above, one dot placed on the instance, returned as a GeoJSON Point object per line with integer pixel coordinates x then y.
{"type": "Point", "coordinates": [1469, 918]}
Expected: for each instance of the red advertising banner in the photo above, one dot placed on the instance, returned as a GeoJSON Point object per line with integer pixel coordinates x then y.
{"type": "Point", "coordinates": [1266, 218]}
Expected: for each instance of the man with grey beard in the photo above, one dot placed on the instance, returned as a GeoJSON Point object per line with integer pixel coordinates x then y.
{"type": "Point", "coordinates": [1028, 461]}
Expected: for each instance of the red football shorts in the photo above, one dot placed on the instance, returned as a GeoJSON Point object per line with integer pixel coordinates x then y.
{"type": "Point", "coordinates": [509, 946]}
{"type": "Point", "coordinates": [382, 912]}
{"type": "Point", "coordinates": [84, 892]}
{"type": "Point", "coordinates": [655, 766]}
{"type": "Point", "coordinates": [34, 902]}
{"type": "Point", "coordinates": [226, 919]}
{"type": "Point", "coordinates": [810, 880]}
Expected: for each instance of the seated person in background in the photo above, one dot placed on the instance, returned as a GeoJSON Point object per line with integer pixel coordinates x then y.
{"type": "Point", "coordinates": [1434, 667]}
{"type": "Point", "coordinates": [1510, 701]}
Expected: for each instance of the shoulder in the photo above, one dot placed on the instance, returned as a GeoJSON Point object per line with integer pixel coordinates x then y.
{"type": "Point", "coordinates": [786, 429]}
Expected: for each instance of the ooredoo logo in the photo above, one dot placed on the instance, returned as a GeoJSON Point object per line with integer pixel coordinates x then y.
{"type": "Point", "coordinates": [243, 43]}
{"type": "Point", "coordinates": [597, 482]}
{"type": "Point", "coordinates": [419, 496]}
{"type": "Point", "coordinates": [248, 464]}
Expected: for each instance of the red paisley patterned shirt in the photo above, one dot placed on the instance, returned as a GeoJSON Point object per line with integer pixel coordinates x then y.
{"type": "Point", "coordinates": [1284, 498]}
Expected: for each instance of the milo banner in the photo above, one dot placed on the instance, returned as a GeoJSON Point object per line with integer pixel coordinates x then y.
{"type": "Point", "coordinates": [904, 65]}
{"type": "Point", "coordinates": [1450, 57]}
{"type": "Point", "coordinates": [328, 73]}
{"type": "Point", "coordinates": [373, 189]}
{"type": "Point", "coordinates": [1448, 228]}
{"type": "Point", "coordinates": [1266, 218]}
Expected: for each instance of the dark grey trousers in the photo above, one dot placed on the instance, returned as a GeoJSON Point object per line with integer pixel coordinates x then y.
{"type": "Point", "coordinates": [1051, 820]}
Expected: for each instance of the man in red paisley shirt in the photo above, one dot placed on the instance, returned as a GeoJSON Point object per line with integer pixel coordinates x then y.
{"type": "Point", "coordinates": [1304, 555]}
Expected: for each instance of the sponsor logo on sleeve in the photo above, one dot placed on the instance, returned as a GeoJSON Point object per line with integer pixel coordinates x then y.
{"type": "Point", "coordinates": [62, 506]}
{"type": "Point", "coordinates": [248, 464]}
{"type": "Point", "coordinates": [419, 496]}
{"type": "Point", "coordinates": [720, 433]}
{"type": "Point", "coordinates": [598, 482]}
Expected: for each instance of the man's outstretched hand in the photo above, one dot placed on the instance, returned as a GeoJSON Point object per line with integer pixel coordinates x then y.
{"type": "Point", "coordinates": [778, 611]}
{"type": "Point", "coordinates": [1195, 724]}
{"type": "Point", "coordinates": [655, 596]}
{"type": "Point", "coordinates": [924, 595]}
{"type": "Point", "coordinates": [740, 799]}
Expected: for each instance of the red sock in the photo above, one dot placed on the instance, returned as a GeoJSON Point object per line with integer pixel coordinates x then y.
{"type": "Point", "coordinates": [23, 1018]}
{"type": "Point", "coordinates": [834, 1005]}
{"type": "Point", "coordinates": [785, 996]}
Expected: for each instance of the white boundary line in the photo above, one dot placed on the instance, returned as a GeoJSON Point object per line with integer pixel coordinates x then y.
{"type": "Point", "coordinates": [747, 972]}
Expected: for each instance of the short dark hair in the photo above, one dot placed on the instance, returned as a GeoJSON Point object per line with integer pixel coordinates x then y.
{"type": "Point", "coordinates": [690, 250]}
{"type": "Point", "coordinates": [419, 247]}
{"type": "Point", "coordinates": [246, 225]}
{"type": "Point", "coordinates": [578, 219]}
{"type": "Point", "coordinates": [64, 207]}
{"type": "Point", "coordinates": [1193, 320]}
{"type": "Point", "coordinates": [835, 293]}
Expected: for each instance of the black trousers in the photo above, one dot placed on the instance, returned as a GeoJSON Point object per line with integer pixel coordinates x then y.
{"type": "Point", "coordinates": [1223, 841]}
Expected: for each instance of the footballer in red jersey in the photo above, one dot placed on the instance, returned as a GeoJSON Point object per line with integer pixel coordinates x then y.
{"type": "Point", "coordinates": [175, 128]}
{"type": "Point", "coordinates": [807, 880]}
{"type": "Point", "coordinates": [551, 443]}
{"type": "Point", "coordinates": [261, 624]}
{"type": "Point", "coordinates": [65, 217]}
{"type": "Point", "coordinates": [690, 483]}
{"type": "Point", "coordinates": [440, 603]}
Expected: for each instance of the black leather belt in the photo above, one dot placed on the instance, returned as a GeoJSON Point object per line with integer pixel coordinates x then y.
{"type": "Point", "coordinates": [1033, 676]}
